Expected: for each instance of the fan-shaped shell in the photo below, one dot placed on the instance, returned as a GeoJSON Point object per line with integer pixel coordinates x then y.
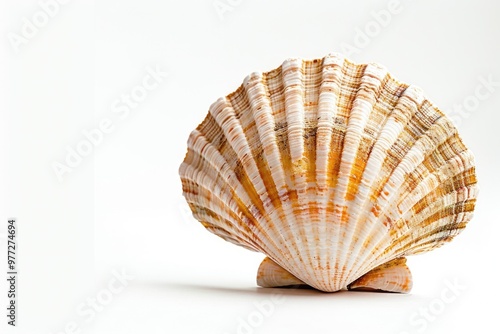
{"type": "Point", "coordinates": [330, 168]}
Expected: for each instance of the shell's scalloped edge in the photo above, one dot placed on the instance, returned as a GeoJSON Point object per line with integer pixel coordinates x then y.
{"type": "Point", "coordinates": [337, 58]}
{"type": "Point", "coordinates": [414, 91]}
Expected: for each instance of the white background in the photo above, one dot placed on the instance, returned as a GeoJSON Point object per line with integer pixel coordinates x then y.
{"type": "Point", "coordinates": [121, 208]}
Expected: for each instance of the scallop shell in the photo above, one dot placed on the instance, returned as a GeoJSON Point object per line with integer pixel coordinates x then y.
{"type": "Point", "coordinates": [334, 170]}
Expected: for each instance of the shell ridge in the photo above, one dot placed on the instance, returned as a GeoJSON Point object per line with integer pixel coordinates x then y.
{"type": "Point", "coordinates": [294, 85]}
{"type": "Point", "coordinates": [264, 120]}
{"type": "Point", "coordinates": [423, 147]}
{"type": "Point", "coordinates": [339, 125]}
{"type": "Point", "coordinates": [214, 226]}
{"type": "Point", "coordinates": [460, 218]}
{"type": "Point", "coordinates": [327, 109]}
{"type": "Point", "coordinates": [222, 169]}
{"type": "Point", "coordinates": [275, 90]}
{"type": "Point", "coordinates": [444, 200]}
{"type": "Point", "coordinates": [443, 177]}
{"type": "Point", "coordinates": [410, 220]}
{"type": "Point", "coordinates": [398, 119]}
{"type": "Point", "coordinates": [312, 81]}
{"type": "Point", "coordinates": [198, 142]}
{"type": "Point", "coordinates": [221, 220]}
{"type": "Point", "coordinates": [224, 114]}
{"type": "Point", "coordinates": [210, 202]}
{"type": "Point", "coordinates": [389, 131]}
{"type": "Point", "coordinates": [348, 78]}
{"type": "Point", "coordinates": [373, 81]}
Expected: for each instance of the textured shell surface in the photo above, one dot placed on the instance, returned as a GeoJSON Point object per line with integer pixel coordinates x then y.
{"type": "Point", "coordinates": [332, 169]}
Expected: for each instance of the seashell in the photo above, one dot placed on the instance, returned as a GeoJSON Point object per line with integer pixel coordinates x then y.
{"type": "Point", "coordinates": [335, 171]}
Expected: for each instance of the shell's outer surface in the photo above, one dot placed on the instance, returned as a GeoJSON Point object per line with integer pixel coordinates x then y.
{"type": "Point", "coordinates": [271, 275]}
{"type": "Point", "coordinates": [392, 276]}
{"type": "Point", "coordinates": [330, 168]}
